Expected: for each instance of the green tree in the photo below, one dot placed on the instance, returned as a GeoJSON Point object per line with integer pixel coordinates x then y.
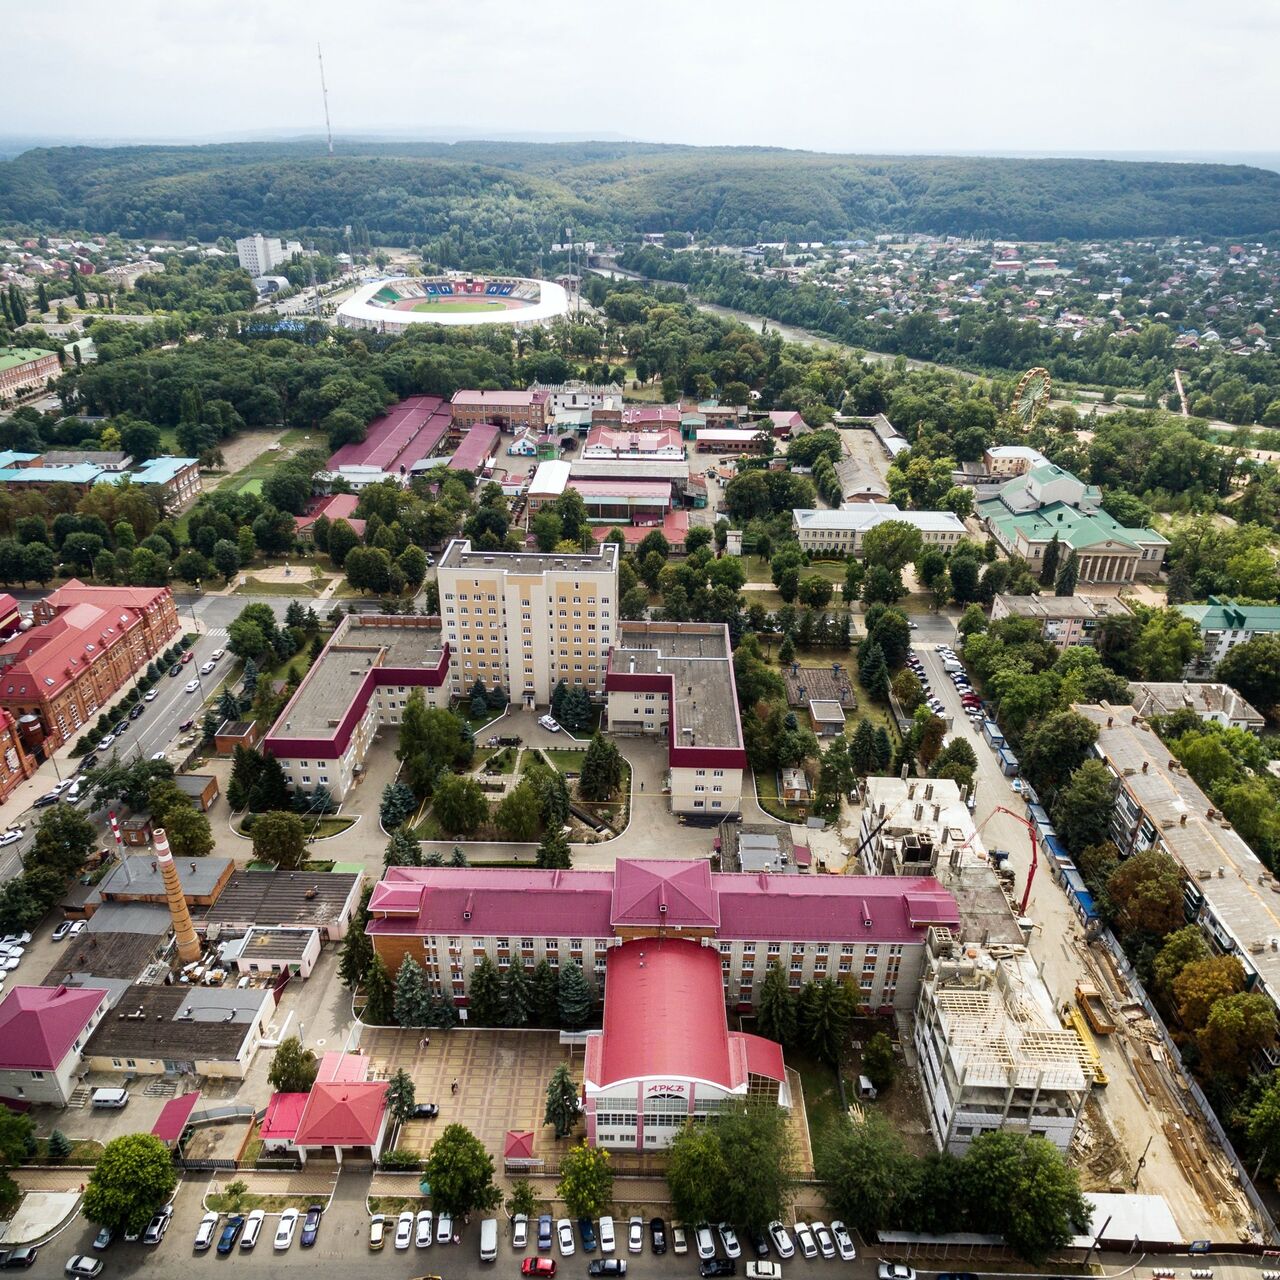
{"type": "Point", "coordinates": [553, 852]}
{"type": "Point", "coordinates": [64, 839]}
{"type": "Point", "coordinates": [1082, 810]}
{"type": "Point", "coordinates": [356, 957]}
{"type": "Point", "coordinates": [1057, 747]}
{"type": "Point", "coordinates": [863, 757]}
{"type": "Point", "coordinates": [523, 1199]}
{"type": "Point", "coordinates": [1262, 1127]}
{"type": "Point", "coordinates": [134, 1176]}
{"type": "Point", "coordinates": [826, 1012]}
{"type": "Point", "coordinates": [17, 1140]}
{"type": "Point", "coordinates": [1147, 892]}
{"type": "Point", "coordinates": [460, 1172]}
{"type": "Point", "coordinates": [574, 997]}
{"type": "Point", "coordinates": [397, 805]}
{"type": "Point", "coordinates": [562, 1102]}
{"type": "Point", "coordinates": [755, 1143]}
{"type": "Point", "coordinates": [60, 1146]}
{"type": "Point", "coordinates": [459, 805]}
{"type": "Point", "coordinates": [873, 671]}
{"type": "Point", "coordinates": [189, 832]}
{"type": "Point", "coordinates": [293, 1068]}
{"type": "Point", "coordinates": [1182, 947]}
{"type": "Point", "coordinates": [877, 1060]}
{"type": "Point", "coordinates": [1238, 1028]}
{"type": "Point", "coordinates": [1027, 1191]}
{"type": "Point", "coordinates": [517, 994]}
{"type": "Point", "coordinates": [412, 1001]}
{"type": "Point", "coordinates": [379, 994]}
{"type": "Point", "coordinates": [1068, 576]}
{"type": "Point", "coordinates": [868, 1174]}
{"type": "Point", "coordinates": [586, 1180]}
{"type": "Point", "coordinates": [280, 838]}
{"type": "Point", "coordinates": [894, 544]}
{"type": "Point", "coordinates": [1203, 983]}
{"type": "Point", "coordinates": [546, 995]}
{"type": "Point", "coordinates": [485, 1006]}
{"type": "Point", "coordinates": [602, 769]}
{"type": "Point", "coordinates": [518, 815]}
{"type": "Point", "coordinates": [696, 1173]}
{"type": "Point", "coordinates": [776, 1016]}
{"type": "Point", "coordinates": [1049, 565]}
{"type": "Point", "coordinates": [400, 1096]}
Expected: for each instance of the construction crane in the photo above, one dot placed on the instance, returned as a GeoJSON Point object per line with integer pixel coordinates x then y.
{"type": "Point", "coordinates": [1031, 835]}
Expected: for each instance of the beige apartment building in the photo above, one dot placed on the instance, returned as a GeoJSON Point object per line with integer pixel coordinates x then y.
{"type": "Point", "coordinates": [528, 620]}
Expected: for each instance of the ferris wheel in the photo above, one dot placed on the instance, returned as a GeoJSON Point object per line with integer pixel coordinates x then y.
{"type": "Point", "coordinates": [1032, 395]}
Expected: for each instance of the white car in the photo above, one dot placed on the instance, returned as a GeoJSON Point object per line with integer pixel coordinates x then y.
{"type": "Point", "coordinates": [444, 1228]}
{"type": "Point", "coordinates": [804, 1238]}
{"type": "Point", "coordinates": [564, 1233]}
{"type": "Point", "coordinates": [550, 725]}
{"type": "Point", "coordinates": [9, 837]}
{"type": "Point", "coordinates": [252, 1230]}
{"type": "Point", "coordinates": [729, 1239]}
{"type": "Point", "coordinates": [105, 742]}
{"type": "Point", "coordinates": [781, 1240]}
{"type": "Point", "coordinates": [151, 695]}
{"type": "Point", "coordinates": [83, 1265]}
{"type": "Point", "coordinates": [78, 927]}
{"type": "Point", "coordinates": [520, 1230]}
{"type": "Point", "coordinates": [205, 668]}
{"type": "Point", "coordinates": [159, 755]}
{"type": "Point", "coordinates": [608, 1242]}
{"type": "Point", "coordinates": [208, 1225]}
{"type": "Point", "coordinates": [635, 1234]}
{"type": "Point", "coordinates": [706, 1242]}
{"type": "Point", "coordinates": [844, 1241]}
{"type": "Point", "coordinates": [826, 1245]}
{"type": "Point", "coordinates": [895, 1271]}
{"type": "Point", "coordinates": [404, 1230]}
{"type": "Point", "coordinates": [192, 686]}
{"type": "Point", "coordinates": [424, 1224]}
{"type": "Point", "coordinates": [288, 1225]}
{"type": "Point", "coordinates": [679, 1238]}
{"type": "Point", "coordinates": [216, 654]}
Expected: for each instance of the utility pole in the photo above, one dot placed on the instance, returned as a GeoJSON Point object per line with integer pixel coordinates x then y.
{"type": "Point", "coordinates": [324, 92]}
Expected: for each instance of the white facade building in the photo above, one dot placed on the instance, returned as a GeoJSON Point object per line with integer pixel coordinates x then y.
{"type": "Point", "coordinates": [840, 533]}
{"type": "Point", "coordinates": [260, 255]}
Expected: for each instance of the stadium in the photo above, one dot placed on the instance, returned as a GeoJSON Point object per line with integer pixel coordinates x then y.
{"type": "Point", "coordinates": [393, 305]}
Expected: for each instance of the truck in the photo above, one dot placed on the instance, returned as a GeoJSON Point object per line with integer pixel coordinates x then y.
{"type": "Point", "coordinates": [1091, 1003]}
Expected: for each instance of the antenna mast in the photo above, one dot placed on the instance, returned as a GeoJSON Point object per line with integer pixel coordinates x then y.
{"type": "Point", "coordinates": [324, 91]}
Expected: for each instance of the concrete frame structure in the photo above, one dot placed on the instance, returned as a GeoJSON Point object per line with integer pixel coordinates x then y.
{"type": "Point", "coordinates": [840, 533]}
{"type": "Point", "coordinates": [527, 620]}
{"type": "Point", "coordinates": [360, 682]}
{"type": "Point", "coordinates": [675, 680]}
{"type": "Point", "coordinates": [993, 1053]}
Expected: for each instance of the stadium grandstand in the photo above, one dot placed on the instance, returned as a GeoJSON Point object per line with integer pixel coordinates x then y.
{"type": "Point", "coordinates": [393, 305]}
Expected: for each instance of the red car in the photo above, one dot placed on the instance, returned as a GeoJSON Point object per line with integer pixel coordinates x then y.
{"type": "Point", "coordinates": [186, 657]}
{"type": "Point", "coordinates": [538, 1267]}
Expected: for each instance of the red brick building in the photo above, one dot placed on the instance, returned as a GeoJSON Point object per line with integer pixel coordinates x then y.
{"type": "Point", "coordinates": [15, 764]}
{"type": "Point", "coordinates": [86, 644]}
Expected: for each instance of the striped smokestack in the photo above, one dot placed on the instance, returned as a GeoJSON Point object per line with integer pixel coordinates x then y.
{"type": "Point", "coordinates": [183, 930]}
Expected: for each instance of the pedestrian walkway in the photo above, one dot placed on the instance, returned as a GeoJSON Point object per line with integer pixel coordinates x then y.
{"type": "Point", "coordinates": [50, 1179]}
{"type": "Point", "coordinates": [305, 1182]}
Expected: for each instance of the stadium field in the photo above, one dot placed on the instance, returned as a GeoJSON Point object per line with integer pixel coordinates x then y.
{"type": "Point", "coordinates": [460, 305]}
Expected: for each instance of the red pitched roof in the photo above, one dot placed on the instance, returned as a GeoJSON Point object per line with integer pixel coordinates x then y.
{"type": "Point", "coordinates": [518, 1145]}
{"type": "Point", "coordinates": [174, 1116]}
{"type": "Point", "coordinates": [336, 1065]}
{"type": "Point", "coordinates": [406, 433]}
{"type": "Point", "coordinates": [476, 447]}
{"type": "Point", "coordinates": [73, 591]}
{"type": "Point", "coordinates": [39, 1025]}
{"type": "Point", "coordinates": [664, 1016]}
{"type": "Point", "coordinates": [764, 1057]}
{"type": "Point", "coordinates": [342, 1114]}
{"type": "Point", "coordinates": [283, 1113]}
{"type": "Point", "coordinates": [674, 894]}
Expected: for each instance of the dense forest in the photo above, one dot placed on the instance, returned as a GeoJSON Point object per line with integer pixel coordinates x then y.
{"type": "Point", "coordinates": [507, 201]}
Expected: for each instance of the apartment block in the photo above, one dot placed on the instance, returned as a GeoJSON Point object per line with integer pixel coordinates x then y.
{"type": "Point", "coordinates": [1063, 620]}
{"type": "Point", "coordinates": [528, 620]}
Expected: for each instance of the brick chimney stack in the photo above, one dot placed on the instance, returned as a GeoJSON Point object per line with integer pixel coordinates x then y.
{"type": "Point", "coordinates": [183, 930]}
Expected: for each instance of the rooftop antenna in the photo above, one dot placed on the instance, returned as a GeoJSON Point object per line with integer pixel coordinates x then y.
{"type": "Point", "coordinates": [324, 92]}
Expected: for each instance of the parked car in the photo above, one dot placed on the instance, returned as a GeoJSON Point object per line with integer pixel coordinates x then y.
{"type": "Point", "coordinates": [826, 1245]}
{"type": "Point", "coordinates": [608, 1242]}
{"type": "Point", "coordinates": [635, 1234]}
{"type": "Point", "coordinates": [717, 1267]}
{"type": "Point", "coordinates": [425, 1110]}
{"type": "Point", "coordinates": [137, 710]}
{"type": "Point", "coordinates": [284, 1231]}
{"type": "Point", "coordinates": [607, 1267]}
{"type": "Point", "coordinates": [175, 670]}
{"type": "Point", "coordinates": [404, 1230]}
{"type": "Point", "coordinates": [49, 797]}
{"type": "Point", "coordinates": [588, 1235]}
{"type": "Point", "coordinates": [216, 654]}
{"type": "Point", "coordinates": [564, 1237]}
{"type": "Point", "coordinates": [804, 1239]}
{"type": "Point", "coordinates": [679, 1239]}
{"type": "Point", "coordinates": [423, 1227]}
{"type": "Point", "coordinates": [844, 1241]}
{"type": "Point", "coordinates": [192, 685]}
{"type": "Point", "coordinates": [544, 1232]}
{"type": "Point", "coordinates": [657, 1235]}
{"type": "Point", "coordinates": [208, 1225]}
{"type": "Point", "coordinates": [104, 1237]}
{"type": "Point", "coordinates": [230, 1234]}
{"type": "Point", "coordinates": [83, 1265]}
{"type": "Point", "coordinates": [444, 1228]}
{"type": "Point", "coordinates": [311, 1225]}
{"type": "Point", "coordinates": [186, 657]}
{"type": "Point", "coordinates": [895, 1271]}
{"type": "Point", "coordinates": [151, 695]}
{"type": "Point", "coordinates": [252, 1229]}
{"type": "Point", "coordinates": [539, 1267]}
{"type": "Point", "coordinates": [520, 1231]}
{"type": "Point", "coordinates": [729, 1239]}
{"type": "Point", "coordinates": [549, 724]}
{"type": "Point", "coordinates": [60, 930]}
{"type": "Point", "coordinates": [759, 1243]}
{"type": "Point", "coordinates": [705, 1241]}
{"type": "Point", "coordinates": [15, 1259]}
{"type": "Point", "coordinates": [763, 1271]}
{"type": "Point", "coordinates": [377, 1231]}
{"type": "Point", "coordinates": [160, 1223]}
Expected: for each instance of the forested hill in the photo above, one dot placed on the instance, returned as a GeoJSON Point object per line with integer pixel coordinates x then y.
{"type": "Point", "coordinates": [475, 191]}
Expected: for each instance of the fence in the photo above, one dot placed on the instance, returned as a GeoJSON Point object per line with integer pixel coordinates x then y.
{"type": "Point", "coordinates": [1266, 1224]}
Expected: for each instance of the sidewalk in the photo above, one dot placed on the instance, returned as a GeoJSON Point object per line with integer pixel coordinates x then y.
{"type": "Point", "coordinates": [270, 1183]}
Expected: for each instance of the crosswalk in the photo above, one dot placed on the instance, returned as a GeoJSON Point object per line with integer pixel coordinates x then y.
{"type": "Point", "coordinates": [221, 632]}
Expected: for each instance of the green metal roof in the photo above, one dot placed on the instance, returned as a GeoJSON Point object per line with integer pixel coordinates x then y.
{"type": "Point", "coordinates": [12, 357]}
{"type": "Point", "coordinates": [1224, 615]}
{"type": "Point", "coordinates": [1074, 528]}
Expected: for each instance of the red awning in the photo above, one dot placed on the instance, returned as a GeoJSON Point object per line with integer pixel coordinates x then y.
{"type": "Point", "coordinates": [518, 1145]}
{"type": "Point", "coordinates": [174, 1116]}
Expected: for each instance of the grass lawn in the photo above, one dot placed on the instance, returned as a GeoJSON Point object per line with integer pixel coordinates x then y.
{"type": "Point", "coordinates": [83, 1151]}
{"type": "Point", "coordinates": [767, 794]}
{"type": "Point", "coordinates": [224, 1203]}
{"type": "Point", "coordinates": [821, 1097]}
{"type": "Point", "coordinates": [757, 568]}
{"type": "Point", "coordinates": [397, 1204]}
{"type": "Point", "coordinates": [427, 829]}
{"type": "Point", "coordinates": [310, 590]}
{"type": "Point", "coordinates": [565, 761]}
{"type": "Point", "coordinates": [329, 827]}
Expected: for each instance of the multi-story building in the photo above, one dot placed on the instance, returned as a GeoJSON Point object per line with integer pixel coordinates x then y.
{"type": "Point", "coordinates": [260, 255]}
{"type": "Point", "coordinates": [993, 1052]}
{"type": "Point", "coordinates": [1213, 703]}
{"type": "Point", "coordinates": [1064, 621]}
{"type": "Point", "coordinates": [15, 764]}
{"type": "Point", "coordinates": [840, 533]}
{"type": "Point", "coordinates": [675, 680]}
{"type": "Point", "coordinates": [570, 396]}
{"type": "Point", "coordinates": [1227, 889]}
{"type": "Point", "coordinates": [528, 620]}
{"type": "Point", "coordinates": [866, 930]}
{"type": "Point", "coordinates": [1005, 460]}
{"type": "Point", "coordinates": [361, 681]}
{"type": "Point", "coordinates": [88, 642]}
{"type": "Point", "coordinates": [24, 369]}
{"type": "Point", "coordinates": [510, 410]}
{"type": "Point", "coordinates": [1223, 625]}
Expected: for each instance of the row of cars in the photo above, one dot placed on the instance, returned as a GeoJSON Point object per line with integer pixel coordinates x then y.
{"type": "Point", "coordinates": [410, 1228]}
{"type": "Point", "coordinates": [242, 1230]}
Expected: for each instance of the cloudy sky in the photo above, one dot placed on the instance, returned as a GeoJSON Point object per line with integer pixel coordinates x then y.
{"type": "Point", "coordinates": [846, 75]}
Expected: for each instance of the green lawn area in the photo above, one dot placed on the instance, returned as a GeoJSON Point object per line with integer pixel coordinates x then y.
{"type": "Point", "coordinates": [767, 794]}
{"type": "Point", "coordinates": [565, 761]}
{"type": "Point", "coordinates": [757, 568]}
{"type": "Point", "coordinates": [328, 827]}
{"type": "Point", "coordinates": [821, 1097]}
{"type": "Point", "coordinates": [255, 586]}
{"type": "Point", "coordinates": [83, 1151]}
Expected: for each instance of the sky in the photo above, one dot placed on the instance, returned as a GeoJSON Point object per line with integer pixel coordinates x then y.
{"type": "Point", "coordinates": [1146, 76]}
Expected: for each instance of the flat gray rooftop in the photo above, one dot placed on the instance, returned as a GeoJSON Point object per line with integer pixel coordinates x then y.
{"type": "Point", "coordinates": [267, 944]}
{"type": "Point", "coordinates": [698, 657]}
{"type": "Point", "coordinates": [459, 555]}
{"type": "Point", "coordinates": [360, 644]}
{"type": "Point", "coordinates": [139, 877]}
{"type": "Point", "coordinates": [281, 898]}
